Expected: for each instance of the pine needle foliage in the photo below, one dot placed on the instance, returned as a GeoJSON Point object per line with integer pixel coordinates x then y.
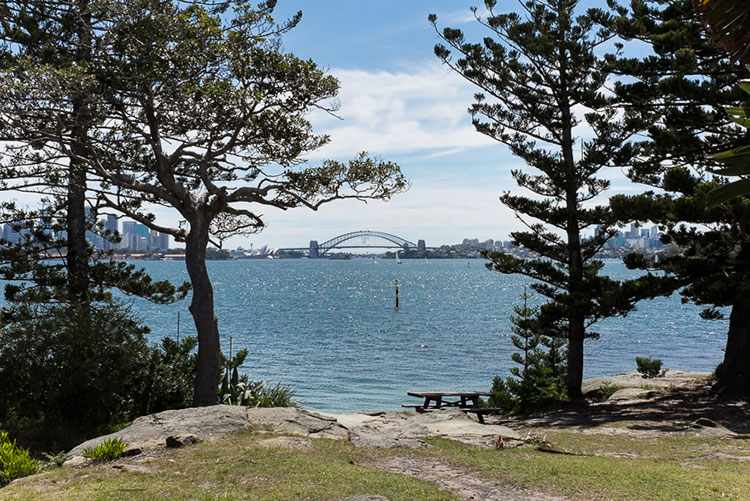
{"type": "Point", "coordinates": [536, 68]}
{"type": "Point", "coordinates": [537, 382]}
{"type": "Point", "coordinates": [677, 98]}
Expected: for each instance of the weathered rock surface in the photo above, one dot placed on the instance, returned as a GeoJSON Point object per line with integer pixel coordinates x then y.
{"type": "Point", "coordinates": [153, 430]}
{"type": "Point", "coordinates": [639, 387]}
{"type": "Point", "coordinates": [399, 429]}
{"type": "Point", "coordinates": [296, 421]}
{"type": "Point", "coordinates": [206, 422]}
{"type": "Point", "coordinates": [292, 443]}
{"type": "Point", "coordinates": [380, 429]}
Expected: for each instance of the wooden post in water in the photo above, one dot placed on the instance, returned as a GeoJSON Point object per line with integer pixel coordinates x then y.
{"type": "Point", "coordinates": [397, 294]}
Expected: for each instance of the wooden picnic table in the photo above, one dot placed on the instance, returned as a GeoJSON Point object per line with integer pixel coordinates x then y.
{"type": "Point", "coordinates": [466, 401]}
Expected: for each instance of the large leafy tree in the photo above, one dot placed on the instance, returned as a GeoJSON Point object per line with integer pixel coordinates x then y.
{"type": "Point", "coordinates": [70, 354]}
{"type": "Point", "coordinates": [677, 95]}
{"type": "Point", "coordinates": [539, 79]}
{"type": "Point", "coordinates": [198, 109]}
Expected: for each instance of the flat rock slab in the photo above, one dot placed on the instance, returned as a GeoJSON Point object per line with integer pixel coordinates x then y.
{"type": "Point", "coordinates": [217, 420]}
{"type": "Point", "coordinates": [153, 430]}
{"type": "Point", "coordinates": [629, 380]}
{"type": "Point", "coordinates": [297, 422]}
{"type": "Point", "coordinates": [381, 429]}
{"type": "Point", "coordinates": [399, 429]}
{"type": "Point", "coordinates": [290, 443]}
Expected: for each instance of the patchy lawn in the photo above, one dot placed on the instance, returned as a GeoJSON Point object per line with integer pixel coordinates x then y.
{"type": "Point", "coordinates": [247, 466]}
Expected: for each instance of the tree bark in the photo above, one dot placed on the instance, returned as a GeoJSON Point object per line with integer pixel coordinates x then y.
{"type": "Point", "coordinates": [734, 373]}
{"type": "Point", "coordinates": [208, 371]}
{"type": "Point", "coordinates": [576, 318]}
{"type": "Point", "coordinates": [78, 258]}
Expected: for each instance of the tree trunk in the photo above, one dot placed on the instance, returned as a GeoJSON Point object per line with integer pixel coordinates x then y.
{"type": "Point", "coordinates": [78, 257]}
{"type": "Point", "coordinates": [576, 318]}
{"type": "Point", "coordinates": [202, 308]}
{"type": "Point", "coordinates": [734, 373]}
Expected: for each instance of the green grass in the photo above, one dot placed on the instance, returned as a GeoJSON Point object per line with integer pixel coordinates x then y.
{"type": "Point", "coordinates": [233, 468]}
{"type": "Point", "coordinates": [609, 467]}
{"type": "Point", "coordinates": [617, 467]}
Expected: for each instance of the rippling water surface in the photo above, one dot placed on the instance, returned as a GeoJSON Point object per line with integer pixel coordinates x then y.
{"type": "Point", "coordinates": [329, 328]}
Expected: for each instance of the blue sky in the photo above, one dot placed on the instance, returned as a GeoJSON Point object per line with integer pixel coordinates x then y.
{"type": "Point", "coordinates": [399, 103]}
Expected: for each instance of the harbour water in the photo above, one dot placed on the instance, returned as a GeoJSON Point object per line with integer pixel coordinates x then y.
{"type": "Point", "coordinates": [330, 329]}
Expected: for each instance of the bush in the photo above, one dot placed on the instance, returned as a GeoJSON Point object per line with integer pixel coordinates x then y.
{"type": "Point", "coordinates": [240, 390]}
{"type": "Point", "coordinates": [648, 368]}
{"type": "Point", "coordinates": [15, 462]}
{"type": "Point", "coordinates": [607, 389]}
{"type": "Point", "coordinates": [111, 448]}
{"type": "Point", "coordinates": [168, 377]}
{"type": "Point", "coordinates": [538, 380]}
{"type": "Point", "coordinates": [69, 373]}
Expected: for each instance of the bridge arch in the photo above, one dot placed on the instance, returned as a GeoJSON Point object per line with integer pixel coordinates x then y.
{"type": "Point", "coordinates": [337, 241]}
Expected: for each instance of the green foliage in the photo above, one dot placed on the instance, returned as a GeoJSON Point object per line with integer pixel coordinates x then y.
{"type": "Point", "coordinates": [55, 459]}
{"type": "Point", "coordinates": [607, 389]}
{"type": "Point", "coordinates": [215, 254]}
{"type": "Point", "coordinates": [737, 158]}
{"type": "Point", "coordinates": [538, 380]}
{"type": "Point", "coordinates": [111, 448]}
{"type": "Point", "coordinates": [537, 65]}
{"type": "Point", "coordinates": [167, 380]}
{"type": "Point", "coordinates": [677, 98]}
{"type": "Point", "coordinates": [647, 367]}
{"type": "Point", "coordinates": [236, 389]}
{"type": "Point", "coordinates": [15, 462]}
{"type": "Point", "coordinates": [69, 373]}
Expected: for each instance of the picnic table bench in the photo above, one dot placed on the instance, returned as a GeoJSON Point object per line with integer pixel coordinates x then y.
{"type": "Point", "coordinates": [465, 401]}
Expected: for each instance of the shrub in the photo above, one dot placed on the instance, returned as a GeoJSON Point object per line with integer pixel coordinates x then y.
{"type": "Point", "coordinates": [538, 380]}
{"type": "Point", "coordinates": [607, 389]}
{"type": "Point", "coordinates": [648, 368]}
{"type": "Point", "coordinates": [15, 462]}
{"type": "Point", "coordinates": [236, 389]}
{"type": "Point", "coordinates": [68, 374]}
{"type": "Point", "coordinates": [111, 448]}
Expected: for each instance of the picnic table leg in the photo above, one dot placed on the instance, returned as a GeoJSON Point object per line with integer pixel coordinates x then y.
{"type": "Point", "coordinates": [475, 405]}
{"type": "Point", "coordinates": [426, 404]}
{"type": "Point", "coordinates": [438, 402]}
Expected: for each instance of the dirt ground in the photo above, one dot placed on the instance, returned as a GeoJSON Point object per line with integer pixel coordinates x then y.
{"type": "Point", "coordinates": [678, 411]}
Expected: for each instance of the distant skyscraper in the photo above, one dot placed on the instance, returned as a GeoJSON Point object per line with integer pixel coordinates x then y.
{"type": "Point", "coordinates": [141, 230]}
{"type": "Point", "coordinates": [10, 235]}
{"type": "Point", "coordinates": [163, 242]}
{"type": "Point", "coordinates": [128, 227]}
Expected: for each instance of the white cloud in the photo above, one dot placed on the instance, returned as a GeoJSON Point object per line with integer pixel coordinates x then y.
{"type": "Point", "coordinates": [423, 111]}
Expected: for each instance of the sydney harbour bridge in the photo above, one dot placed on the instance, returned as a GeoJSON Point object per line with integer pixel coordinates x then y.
{"type": "Point", "coordinates": [358, 240]}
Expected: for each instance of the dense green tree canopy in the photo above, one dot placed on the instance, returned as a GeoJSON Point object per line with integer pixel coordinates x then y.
{"type": "Point", "coordinates": [195, 106]}
{"type": "Point", "coordinates": [676, 97]}
{"type": "Point", "coordinates": [539, 79]}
